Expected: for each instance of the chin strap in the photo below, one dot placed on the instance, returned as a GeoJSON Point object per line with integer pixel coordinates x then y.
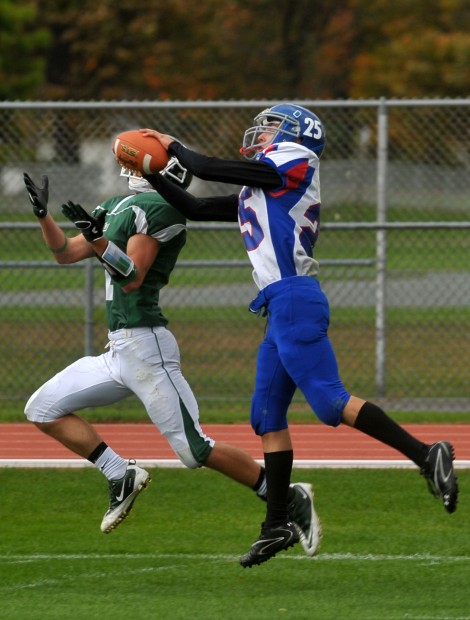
{"type": "Point", "coordinates": [250, 152]}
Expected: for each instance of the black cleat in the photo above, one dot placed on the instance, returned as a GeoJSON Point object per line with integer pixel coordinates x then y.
{"type": "Point", "coordinates": [270, 541]}
{"type": "Point", "coordinates": [439, 473]}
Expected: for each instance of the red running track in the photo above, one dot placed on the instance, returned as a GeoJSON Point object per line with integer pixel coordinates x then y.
{"type": "Point", "coordinates": [315, 445]}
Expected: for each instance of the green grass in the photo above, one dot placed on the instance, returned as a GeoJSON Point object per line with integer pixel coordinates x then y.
{"type": "Point", "coordinates": [426, 352]}
{"type": "Point", "coordinates": [389, 550]}
{"type": "Point", "coordinates": [426, 348]}
{"type": "Point", "coordinates": [409, 253]}
{"type": "Point", "coordinates": [236, 412]}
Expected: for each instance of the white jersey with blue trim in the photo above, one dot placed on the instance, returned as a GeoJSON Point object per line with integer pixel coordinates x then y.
{"type": "Point", "coordinates": [280, 227]}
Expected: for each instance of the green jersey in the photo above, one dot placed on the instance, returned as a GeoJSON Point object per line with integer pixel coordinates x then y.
{"type": "Point", "coordinates": [149, 214]}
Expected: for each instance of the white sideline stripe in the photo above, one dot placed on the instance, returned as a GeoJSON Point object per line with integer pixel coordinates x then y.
{"type": "Point", "coordinates": [178, 561]}
{"type": "Point", "coordinates": [175, 463]}
{"type": "Point", "coordinates": [321, 557]}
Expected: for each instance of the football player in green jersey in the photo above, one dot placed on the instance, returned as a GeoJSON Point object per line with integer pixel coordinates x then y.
{"type": "Point", "coordinates": [137, 237]}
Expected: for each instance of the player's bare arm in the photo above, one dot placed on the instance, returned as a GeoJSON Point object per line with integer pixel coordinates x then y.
{"type": "Point", "coordinates": [64, 249]}
{"type": "Point", "coordinates": [115, 261]}
{"type": "Point", "coordinates": [142, 250]}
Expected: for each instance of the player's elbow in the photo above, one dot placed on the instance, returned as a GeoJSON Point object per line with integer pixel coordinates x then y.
{"type": "Point", "coordinates": [134, 284]}
{"type": "Point", "coordinates": [66, 258]}
{"type": "Point", "coordinates": [63, 258]}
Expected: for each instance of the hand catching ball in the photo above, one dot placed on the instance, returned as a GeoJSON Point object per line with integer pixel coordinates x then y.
{"type": "Point", "coordinates": [140, 153]}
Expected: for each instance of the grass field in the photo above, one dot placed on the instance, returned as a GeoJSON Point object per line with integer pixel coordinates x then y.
{"type": "Point", "coordinates": [426, 352]}
{"type": "Point", "coordinates": [389, 551]}
{"type": "Point", "coordinates": [426, 356]}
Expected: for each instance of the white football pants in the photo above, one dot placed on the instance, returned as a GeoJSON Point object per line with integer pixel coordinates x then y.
{"type": "Point", "coordinates": [143, 361]}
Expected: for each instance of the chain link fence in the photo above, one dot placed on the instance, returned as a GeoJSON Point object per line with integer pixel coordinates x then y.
{"type": "Point", "coordinates": [393, 249]}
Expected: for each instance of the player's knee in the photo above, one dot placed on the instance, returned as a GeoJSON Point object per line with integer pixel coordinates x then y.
{"type": "Point", "coordinates": [29, 416]}
{"type": "Point", "coordinates": [188, 460]}
{"type": "Point", "coordinates": [329, 413]}
{"type": "Point", "coordinates": [258, 426]}
{"type": "Point", "coordinates": [37, 410]}
{"type": "Point", "coordinates": [268, 420]}
{"type": "Point", "coordinates": [327, 400]}
{"type": "Point", "coordinates": [192, 449]}
{"type": "Point", "coordinates": [38, 417]}
{"type": "Point", "coordinates": [196, 454]}
{"type": "Point", "coordinates": [31, 410]}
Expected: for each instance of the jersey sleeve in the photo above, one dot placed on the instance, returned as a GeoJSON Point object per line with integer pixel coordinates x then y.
{"type": "Point", "coordinates": [211, 209]}
{"type": "Point", "coordinates": [294, 163]}
{"type": "Point", "coordinates": [238, 172]}
{"type": "Point", "coordinates": [154, 216]}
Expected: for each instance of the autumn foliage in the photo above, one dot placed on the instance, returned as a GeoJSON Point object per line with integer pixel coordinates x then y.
{"type": "Point", "coordinates": [236, 49]}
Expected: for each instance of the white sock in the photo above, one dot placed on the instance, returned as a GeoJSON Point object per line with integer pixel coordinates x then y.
{"type": "Point", "coordinates": [111, 464]}
{"type": "Point", "coordinates": [263, 490]}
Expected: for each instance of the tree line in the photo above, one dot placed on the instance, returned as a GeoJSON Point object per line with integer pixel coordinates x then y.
{"type": "Point", "coordinates": [234, 49]}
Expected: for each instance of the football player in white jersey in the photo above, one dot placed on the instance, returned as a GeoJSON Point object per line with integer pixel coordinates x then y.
{"type": "Point", "coordinates": [137, 237]}
{"type": "Point", "coordinates": [278, 211]}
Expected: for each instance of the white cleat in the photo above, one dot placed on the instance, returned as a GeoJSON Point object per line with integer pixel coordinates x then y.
{"type": "Point", "coordinates": [302, 513]}
{"type": "Point", "coordinates": [122, 495]}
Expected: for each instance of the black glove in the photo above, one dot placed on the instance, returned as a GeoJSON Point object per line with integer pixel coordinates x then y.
{"type": "Point", "coordinates": [90, 227]}
{"type": "Point", "coordinates": [38, 196]}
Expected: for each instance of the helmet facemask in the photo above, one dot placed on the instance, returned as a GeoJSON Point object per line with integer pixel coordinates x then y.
{"type": "Point", "coordinates": [173, 171]}
{"type": "Point", "coordinates": [282, 128]}
{"type": "Point", "coordinates": [177, 173]}
{"type": "Point", "coordinates": [136, 183]}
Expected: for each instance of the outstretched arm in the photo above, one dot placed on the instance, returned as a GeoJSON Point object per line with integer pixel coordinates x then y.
{"type": "Point", "coordinates": [117, 263]}
{"type": "Point", "coordinates": [237, 172]}
{"type": "Point", "coordinates": [65, 249]}
{"type": "Point", "coordinates": [213, 209]}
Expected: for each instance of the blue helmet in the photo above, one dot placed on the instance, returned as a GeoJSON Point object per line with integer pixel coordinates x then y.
{"type": "Point", "coordinates": [287, 122]}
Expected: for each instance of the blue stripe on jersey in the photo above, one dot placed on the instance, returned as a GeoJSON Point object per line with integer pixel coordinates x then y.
{"type": "Point", "coordinates": [297, 176]}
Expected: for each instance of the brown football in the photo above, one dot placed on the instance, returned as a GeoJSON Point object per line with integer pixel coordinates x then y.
{"type": "Point", "coordinates": [140, 153]}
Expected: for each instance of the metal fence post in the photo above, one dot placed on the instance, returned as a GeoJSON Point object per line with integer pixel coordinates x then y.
{"type": "Point", "coordinates": [381, 247]}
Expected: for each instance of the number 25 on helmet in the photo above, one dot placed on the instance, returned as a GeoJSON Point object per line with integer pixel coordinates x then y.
{"type": "Point", "coordinates": [287, 122]}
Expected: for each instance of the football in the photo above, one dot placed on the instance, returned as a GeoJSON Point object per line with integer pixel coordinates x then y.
{"type": "Point", "coordinates": [141, 153]}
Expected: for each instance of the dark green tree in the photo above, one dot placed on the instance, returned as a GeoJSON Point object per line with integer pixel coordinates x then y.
{"type": "Point", "coordinates": [22, 46]}
{"type": "Point", "coordinates": [240, 49]}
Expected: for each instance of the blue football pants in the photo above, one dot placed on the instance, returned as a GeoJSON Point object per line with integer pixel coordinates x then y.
{"type": "Point", "coordinates": [296, 353]}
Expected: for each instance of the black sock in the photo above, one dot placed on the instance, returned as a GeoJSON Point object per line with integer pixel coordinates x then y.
{"type": "Point", "coordinates": [97, 452]}
{"type": "Point", "coordinates": [373, 421]}
{"type": "Point", "coordinates": [278, 472]}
